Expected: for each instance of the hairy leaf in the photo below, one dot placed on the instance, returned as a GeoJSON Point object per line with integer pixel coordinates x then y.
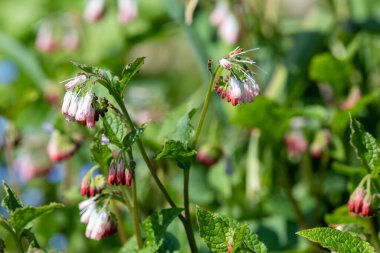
{"type": "Point", "coordinates": [338, 241]}
{"type": "Point", "coordinates": [114, 128]}
{"type": "Point", "coordinates": [100, 153]}
{"type": "Point", "coordinates": [221, 232]}
{"type": "Point", "coordinates": [365, 146]}
{"type": "Point", "coordinates": [177, 150]}
{"type": "Point", "coordinates": [132, 136]}
{"type": "Point", "coordinates": [184, 130]}
{"type": "Point", "coordinates": [22, 216]}
{"type": "Point", "coordinates": [155, 226]}
{"type": "Point", "coordinates": [129, 71]}
{"type": "Point", "coordinates": [11, 202]}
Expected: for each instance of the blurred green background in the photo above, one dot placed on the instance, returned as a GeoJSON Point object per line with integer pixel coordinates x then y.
{"type": "Point", "coordinates": [312, 55]}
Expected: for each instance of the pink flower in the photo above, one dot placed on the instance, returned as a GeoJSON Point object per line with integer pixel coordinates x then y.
{"type": "Point", "coordinates": [94, 10]}
{"type": "Point", "coordinates": [120, 179]}
{"type": "Point", "coordinates": [85, 186]}
{"type": "Point", "coordinates": [226, 22]}
{"type": "Point", "coordinates": [45, 41]}
{"type": "Point", "coordinates": [241, 92]}
{"type": "Point", "coordinates": [127, 11]}
{"type": "Point", "coordinates": [112, 174]}
{"type": "Point", "coordinates": [100, 225]}
{"type": "Point", "coordinates": [90, 118]}
{"type": "Point", "coordinates": [295, 143]}
{"type": "Point", "coordinates": [128, 178]}
{"type": "Point", "coordinates": [366, 207]}
{"type": "Point", "coordinates": [219, 13]}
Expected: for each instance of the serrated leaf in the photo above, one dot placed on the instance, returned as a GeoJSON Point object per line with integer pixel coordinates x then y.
{"type": "Point", "coordinates": [320, 71]}
{"type": "Point", "coordinates": [132, 136]}
{"type": "Point", "coordinates": [155, 226]}
{"type": "Point", "coordinates": [101, 154]}
{"type": "Point", "coordinates": [11, 202]}
{"type": "Point", "coordinates": [184, 130]}
{"type": "Point", "coordinates": [22, 216]}
{"type": "Point", "coordinates": [177, 150]}
{"type": "Point", "coordinates": [114, 129]}
{"type": "Point", "coordinates": [338, 241]}
{"type": "Point", "coordinates": [221, 232]}
{"type": "Point", "coordinates": [129, 71]}
{"type": "Point", "coordinates": [365, 146]}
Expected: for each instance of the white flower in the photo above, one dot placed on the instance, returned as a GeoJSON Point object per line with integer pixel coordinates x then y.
{"type": "Point", "coordinates": [84, 108]}
{"type": "Point", "coordinates": [99, 225]}
{"type": "Point", "coordinates": [87, 207]}
{"type": "Point", "coordinates": [75, 81]}
{"type": "Point", "coordinates": [226, 22]}
{"type": "Point", "coordinates": [94, 10]}
{"type": "Point", "coordinates": [66, 102]}
{"type": "Point", "coordinates": [127, 11]}
{"type": "Point", "coordinates": [74, 102]}
{"type": "Point", "coordinates": [219, 13]}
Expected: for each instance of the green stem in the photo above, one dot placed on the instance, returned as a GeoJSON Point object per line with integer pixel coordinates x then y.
{"type": "Point", "coordinates": [120, 230]}
{"type": "Point", "coordinates": [186, 177]}
{"type": "Point", "coordinates": [217, 72]}
{"type": "Point", "coordinates": [18, 242]}
{"type": "Point", "coordinates": [372, 224]}
{"type": "Point", "coordinates": [189, 232]}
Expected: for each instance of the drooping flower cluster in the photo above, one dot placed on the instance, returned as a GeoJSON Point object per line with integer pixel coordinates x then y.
{"type": "Point", "coordinates": [119, 173]}
{"type": "Point", "coordinates": [92, 186]}
{"type": "Point", "coordinates": [239, 85]}
{"type": "Point", "coordinates": [77, 106]}
{"type": "Point", "coordinates": [95, 10]}
{"type": "Point", "coordinates": [226, 23]}
{"type": "Point", "coordinates": [100, 223]}
{"type": "Point", "coordinates": [362, 201]}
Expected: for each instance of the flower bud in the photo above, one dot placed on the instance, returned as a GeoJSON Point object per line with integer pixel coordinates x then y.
{"type": "Point", "coordinates": [127, 11]}
{"type": "Point", "coordinates": [120, 177]}
{"type": "Point", "coordinates": [76, 81]}
{"type": "Point", "coordinates": [128, 178]}
{"type": "Point", "coordinates": [84, 189]}
{"type": "Point", "coordinates": [112, 174]}
{"type": "Point", "coordinates": [209, 154]}
{"type": "Point", "coordinates": [94, 10]}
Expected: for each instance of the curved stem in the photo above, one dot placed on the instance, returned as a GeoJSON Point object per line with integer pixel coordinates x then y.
{"type": "Point", "coordinates": [217, 71]}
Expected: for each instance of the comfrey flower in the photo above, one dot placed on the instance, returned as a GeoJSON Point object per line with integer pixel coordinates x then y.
{"type": "Point", "coordinates": [94, 10]}
{"type": "Point", "coordinates": [91, 186]}
{"type": "Point", "coordinates": [119, 173]}
{"type": "Point", "coordinates": [61, 146]}
{"type": "Point", "coordinates": [362, 201]}
{"type": "Point", "coordinates": [127, 11]}
{"type": "Point", "coordinates": [226, 23]}
{"type": "Point", "coordinates": [46, 41]}
{"type": "Point", "coordinates": [239, 85]}
{"type": "Point", "coordinates": [100, 223]}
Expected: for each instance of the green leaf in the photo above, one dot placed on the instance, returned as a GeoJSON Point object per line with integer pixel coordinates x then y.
{"type": "Point", "coordinates": [178, 151]}
{"type": "Point", "coordinates": [129, 71]}
{"type": "Point", "coordinates": [22, 216]}
{"type": "Point", "coordinates": [322, 70]}
{"type": "Point", "coordinates": [221, 232]}
{"type": "Point", "coordinates": [264, 114]}
{"type": "Point", "coordinates": [11, 202]}
{"type": "Point", "coordinates": [184, 130]}
{"type": "Point", "coordinates": [101, 154]}
{"type": "Point", "coordinates": [155, 226]}
{"type": "Point", "coordinates": [365, 146]}
{"type": "Point", "coordinates": [2, 245]}
{"type": "Point", "coordinates": [132, 136]}
{"type": "Point", "coordinates": [170, 244]}
{"type": "Point", "coordinates": [114, 128]}
{"type": "Point", "coordinates": [335, 240]}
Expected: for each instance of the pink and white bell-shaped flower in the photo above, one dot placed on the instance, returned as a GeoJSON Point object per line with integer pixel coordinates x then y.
{"type": "Point", "coordinates": [94, 10]}
{"type": "Point", "coordinates": [80, 79]}
{"type": "Point", "coordinates": [127, 11]}
{"type": "Point", "coordinates": [45, 41]}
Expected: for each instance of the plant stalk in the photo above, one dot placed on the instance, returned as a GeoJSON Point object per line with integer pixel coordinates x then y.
{"type": "Point", "coordinates": [120, 231]}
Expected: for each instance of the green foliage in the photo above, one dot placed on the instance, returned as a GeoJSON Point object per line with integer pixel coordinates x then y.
{"type": "Point", "coordinates": [114, 128]}
{"type": "Point", "coordinates": [220, 232]}
{"type": "Point", "coordinates": [128, 72]}
{"type": "Point", "coordinates": [22, 216]}
{"type": "Point", "coordinates": [176, 150]}
{"type": "Point", "coordinates": [365, 146]}
{"type": "Point", "coordinates": [322, 69]}
{"type": "Point", "coordinates": [11, 202]}
{"type": "Point", "coordinates": [155, 226]}
{"type": "Point", "coordinates": [133, 135]}
{"type": "Point", "coordinates": [338, 241]}
{"type": "Point", "coordinates": [101, 154]}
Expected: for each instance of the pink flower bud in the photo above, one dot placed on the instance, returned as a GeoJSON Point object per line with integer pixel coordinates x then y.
{"type": "Point", "coordinates": [84, 189]}
{"type": "Point", "coordinates": [90, 119]}
{"type": "Point", "coordinates": [225, 63]}
{"type": "Point", "coordinates": [112, 174]}
{"type": "Point", "coordinates": [366, 207]}
{"type": "Point", "coordinates": [120, 179]}
{"type": "Point", "coordinates": [94, 10]}
{"type": "Point", "coordinates": [45, 41]}
{"type": "Point", "coordinates": [128, 178]}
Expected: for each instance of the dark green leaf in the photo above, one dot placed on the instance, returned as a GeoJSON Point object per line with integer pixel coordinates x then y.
{"type": "Point", "coordinates": [155, 226]}
{"type": "Point", "coordinates": [365, 146]}
{"type": "Point", "coordinates": [22, 216]}
{"type": "Point", "coordinates": [177, 150]}
{"type": "Point", "coordinates": [11, 202]}
{"type": "Point", "coordinates": [129, 71]}
{"type": "Point", "coordinates": [338, 241]}
{"type": "Point", "coordinates": [101, 154]}
{"type": "Point", "coordinates": [2, 246]}
{"type": "Point", "coordinates": [221, 232]}
{"type": "Point", "coordinates": [132, 136]}
{"type": "Point", "coordinates": [322, 70]}
{"type": "Point", "coordinates": [170, 244]}
{"type": "Point", "coordinates": [114, 128]}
